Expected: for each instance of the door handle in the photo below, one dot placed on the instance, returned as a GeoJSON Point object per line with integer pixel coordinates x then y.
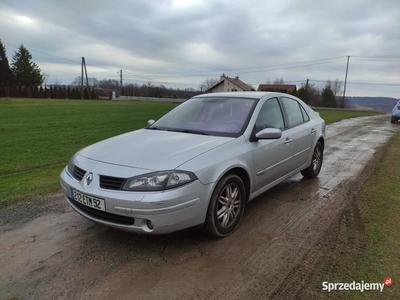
{"type": "Point", "coordinates": [288, 141]}
{"type": "Point", "coordinates": [313, 131]}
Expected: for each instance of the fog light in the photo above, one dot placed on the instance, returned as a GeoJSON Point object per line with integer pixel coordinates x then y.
{"type": "Point", "coordinates": [150, 224]}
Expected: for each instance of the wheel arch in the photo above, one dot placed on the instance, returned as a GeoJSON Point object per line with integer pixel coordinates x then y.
{"type": "Point", "coordinates": [322, 141]}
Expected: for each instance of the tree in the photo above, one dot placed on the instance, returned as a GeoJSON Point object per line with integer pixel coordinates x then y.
{"type": "Point", "coordinates": [279, 81]}
{"type": "Point", "coordinates": [328, 98]}
{"type": "Point", "coordinates": [109, 84]}
{"type": "Point", "coordinates": [46, 77]}
{"type": "Point", "coordinates": [93, 82]}
{"type": "Point", "coordinates": [26, 72]}
{"type": "Point", "coordinates": [57, 82]}
{"type": "Point", "coordinates": [336, 87]}
{"type": "Point", "coordinates": [6, 77]}
{"type": "Point", "coordinates": [309, 94]}
{"type": "Point", "coordinates": [207, 84]}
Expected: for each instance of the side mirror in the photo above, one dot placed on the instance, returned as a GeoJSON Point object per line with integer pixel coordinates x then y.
{"type": "Point", "coordinates": [150, 122]}
{"type": "Point", "coordinates": [269, 134]}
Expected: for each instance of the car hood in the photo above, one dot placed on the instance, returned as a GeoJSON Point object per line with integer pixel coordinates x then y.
{"type": "Point", "coordinates": [152, 149]}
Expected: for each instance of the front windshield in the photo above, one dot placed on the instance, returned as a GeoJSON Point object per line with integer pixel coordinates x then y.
{"type": "Point", "coordinates": [216, 116]}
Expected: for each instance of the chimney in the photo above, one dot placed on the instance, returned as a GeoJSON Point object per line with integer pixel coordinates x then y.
{"type": "Point", "coordinates": [237, 77]}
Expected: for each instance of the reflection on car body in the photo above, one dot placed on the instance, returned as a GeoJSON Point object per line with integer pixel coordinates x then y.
{"type": "Point", "coordinates": [198, 165]}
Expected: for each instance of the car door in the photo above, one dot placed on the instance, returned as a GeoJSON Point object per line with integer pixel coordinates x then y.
{"type": "Point", "coordinates": [271, 157]}
{"type": "Point", "coordinates": [302, 132]}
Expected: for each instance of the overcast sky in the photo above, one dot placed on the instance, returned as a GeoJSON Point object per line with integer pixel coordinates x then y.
{"type": "Point", "coordinates": [180, 43]}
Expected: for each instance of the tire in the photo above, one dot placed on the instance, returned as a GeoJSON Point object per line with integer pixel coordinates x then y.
{"type": "Point", "coordinates": [313, 170]}
{"type": "Point", "coordinates": [227, 201]}
{"type": "Point", "coordinates": [393, 120]}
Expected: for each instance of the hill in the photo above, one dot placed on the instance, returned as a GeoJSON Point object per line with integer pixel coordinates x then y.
{"type": "Point", "coordinates": [374, 103]}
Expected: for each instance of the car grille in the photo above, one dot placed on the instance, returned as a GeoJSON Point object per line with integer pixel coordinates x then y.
{"type": "Point", "coordinates": [102, 215]}
{"type": "Point", "coordinates": [78, 173]}
{"type": "Point", "coordinates": [111, 183]}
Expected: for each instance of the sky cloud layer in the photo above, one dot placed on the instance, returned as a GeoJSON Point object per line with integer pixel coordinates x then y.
{"type": "Point", "coordinates": [180, 43]}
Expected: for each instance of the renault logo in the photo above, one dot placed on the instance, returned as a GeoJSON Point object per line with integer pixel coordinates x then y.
{"type": "Point", "coordinates": [89, 178]}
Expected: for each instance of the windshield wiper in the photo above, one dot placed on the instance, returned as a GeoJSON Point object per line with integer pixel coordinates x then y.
{"type": "Point", "coordinates": [188, 131]}
{"type": "Point", "coordinates": [155, 128]}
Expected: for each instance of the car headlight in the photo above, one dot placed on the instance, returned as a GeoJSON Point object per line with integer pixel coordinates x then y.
{"type": "Point", "coordinates": [70, 166]}
{"type": "Point", "coordinates": [159, 181]}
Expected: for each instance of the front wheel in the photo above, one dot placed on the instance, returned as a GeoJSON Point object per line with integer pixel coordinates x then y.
{"type": "Point", "coordinates": [316, 163]}
{"type": "Point", "coordinates": [393, 120]}
{"type": "Point", "coordinates": [226, 206]}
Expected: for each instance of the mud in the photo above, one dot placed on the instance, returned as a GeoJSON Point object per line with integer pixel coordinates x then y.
{"type": "Point", "coordinates": [50, 252]}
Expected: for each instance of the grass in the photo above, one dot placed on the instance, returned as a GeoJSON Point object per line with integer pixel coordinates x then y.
{"type": "Point", "coordinates": [335, 115]}
{"type": "Point", "coordinates": [379, 200]}
{"type": "Point", "coordinates": [364, 244]}
{"type": "Point", "coordinates": [38, 136]}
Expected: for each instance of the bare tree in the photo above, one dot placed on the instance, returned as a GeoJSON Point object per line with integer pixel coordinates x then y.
{"type": "Point", "coordinates": [309, 94]}
{"type": "Point", "coordinates": [57, 82]}
{"type": "Point", "coordinates": [93, 82]}
{"type": "Point", "coordinates": [109, 83]}
{"type": "Point", "coordinates": [207, 84]}
{"type": "Point", "coordinates": [46, 77]}
{"type": "Point", "coordinates": [336, 86]}
{"type": "Point", "coordinates": [279, 81]}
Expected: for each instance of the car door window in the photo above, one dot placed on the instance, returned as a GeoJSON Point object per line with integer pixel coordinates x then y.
{"type": "Point", "coordinates": [293, 111]}
{"type": "Point", "coordinates": [270, 116]}
{"type": "Point", "coordinates": [305, 114]}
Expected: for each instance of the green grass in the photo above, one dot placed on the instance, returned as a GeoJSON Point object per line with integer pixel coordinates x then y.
{"type": "Point", "coordinates": [364, 244]}
{"type": "Point", "coordinates": [335, 115]}
{"type": "Point", "coordinates": [39, 136]}
{"type": "Point", "coordinates": [379, 200]}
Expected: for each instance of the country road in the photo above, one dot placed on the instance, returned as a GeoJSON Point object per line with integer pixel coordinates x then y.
{"type": "Point", "coordinates": [50, 252]}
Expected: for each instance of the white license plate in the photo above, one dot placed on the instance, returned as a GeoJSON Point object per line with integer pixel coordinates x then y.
{"type": "Point", "coordinates": [87, 200]}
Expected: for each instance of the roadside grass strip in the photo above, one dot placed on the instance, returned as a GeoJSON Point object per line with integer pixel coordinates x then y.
{"type": "Point", "coordinates": [358, 258]}
{"type": "Point", "coordinates": [379, 203]}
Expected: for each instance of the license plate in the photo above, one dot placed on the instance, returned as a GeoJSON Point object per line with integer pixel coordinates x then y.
{"type": "Point", "coordinates": [87, 200]}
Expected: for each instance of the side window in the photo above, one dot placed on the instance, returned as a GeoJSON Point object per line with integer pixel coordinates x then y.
{"type": "Point", "coordinates": [305, 114]}
{"type": "Point", "coordinates": [293, 110]}
{"type": "Point", "coordinates": [270, 116]}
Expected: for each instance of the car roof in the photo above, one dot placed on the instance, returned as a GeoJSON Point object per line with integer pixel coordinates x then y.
{"type": "Point", "coordinates": [249, 94]}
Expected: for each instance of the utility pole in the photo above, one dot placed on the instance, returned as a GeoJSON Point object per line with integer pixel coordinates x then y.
{"type": "Point", "coordinates": [120, 76]}
{"type": "Point", "coordinates": [83, 59]}
{"type": "Point", "coordinates": [306, 91]}
{"type": "Point", "coordinates": [345, 80]}
{"type": "Point", "coordinates": [87, 80]}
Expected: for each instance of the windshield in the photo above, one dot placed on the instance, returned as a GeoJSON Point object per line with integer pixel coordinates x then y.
{"type": "Point", "coordinates": [215, 116]}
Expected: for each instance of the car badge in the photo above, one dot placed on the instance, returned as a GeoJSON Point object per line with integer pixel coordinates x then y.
{"type": "Point", "coordinates": [89, 178]}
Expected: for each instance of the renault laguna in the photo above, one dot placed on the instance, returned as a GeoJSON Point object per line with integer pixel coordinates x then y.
{"type": "Point", "coordinates": [198, 165]}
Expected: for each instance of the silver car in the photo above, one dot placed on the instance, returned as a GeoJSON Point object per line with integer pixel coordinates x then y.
{"type": "Point", "coordinates": [198, 165]}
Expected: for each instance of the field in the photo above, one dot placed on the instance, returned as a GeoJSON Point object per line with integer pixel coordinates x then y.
{"type": "Point", "coordinates": [39, 136]}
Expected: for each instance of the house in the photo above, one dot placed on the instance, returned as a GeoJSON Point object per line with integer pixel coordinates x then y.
{"type": "Point", "coordinates": [229, 84]}
{"type": "Point", "coordinates": [283, 88]}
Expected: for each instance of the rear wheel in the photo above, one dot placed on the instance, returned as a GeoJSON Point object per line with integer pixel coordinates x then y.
{"type": "Point", "coordinates": [393, 120]}
{"type": "Point", "coordinates": [226, 207]}
{"type": "Point", "coordinates": [316, 163]}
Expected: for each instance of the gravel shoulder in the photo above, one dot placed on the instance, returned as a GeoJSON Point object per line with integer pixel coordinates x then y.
{"type": "Point", "coordinates": [50, 252]}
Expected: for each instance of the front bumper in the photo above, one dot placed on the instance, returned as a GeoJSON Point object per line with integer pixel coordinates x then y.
{"type": "Point", "coordinates": [168, 211]}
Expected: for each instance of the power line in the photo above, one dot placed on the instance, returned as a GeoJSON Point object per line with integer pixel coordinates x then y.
{"type": "Point", "coordinates": [67, 59]}
{"type": "Point", "coordinates": [363, 83]}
